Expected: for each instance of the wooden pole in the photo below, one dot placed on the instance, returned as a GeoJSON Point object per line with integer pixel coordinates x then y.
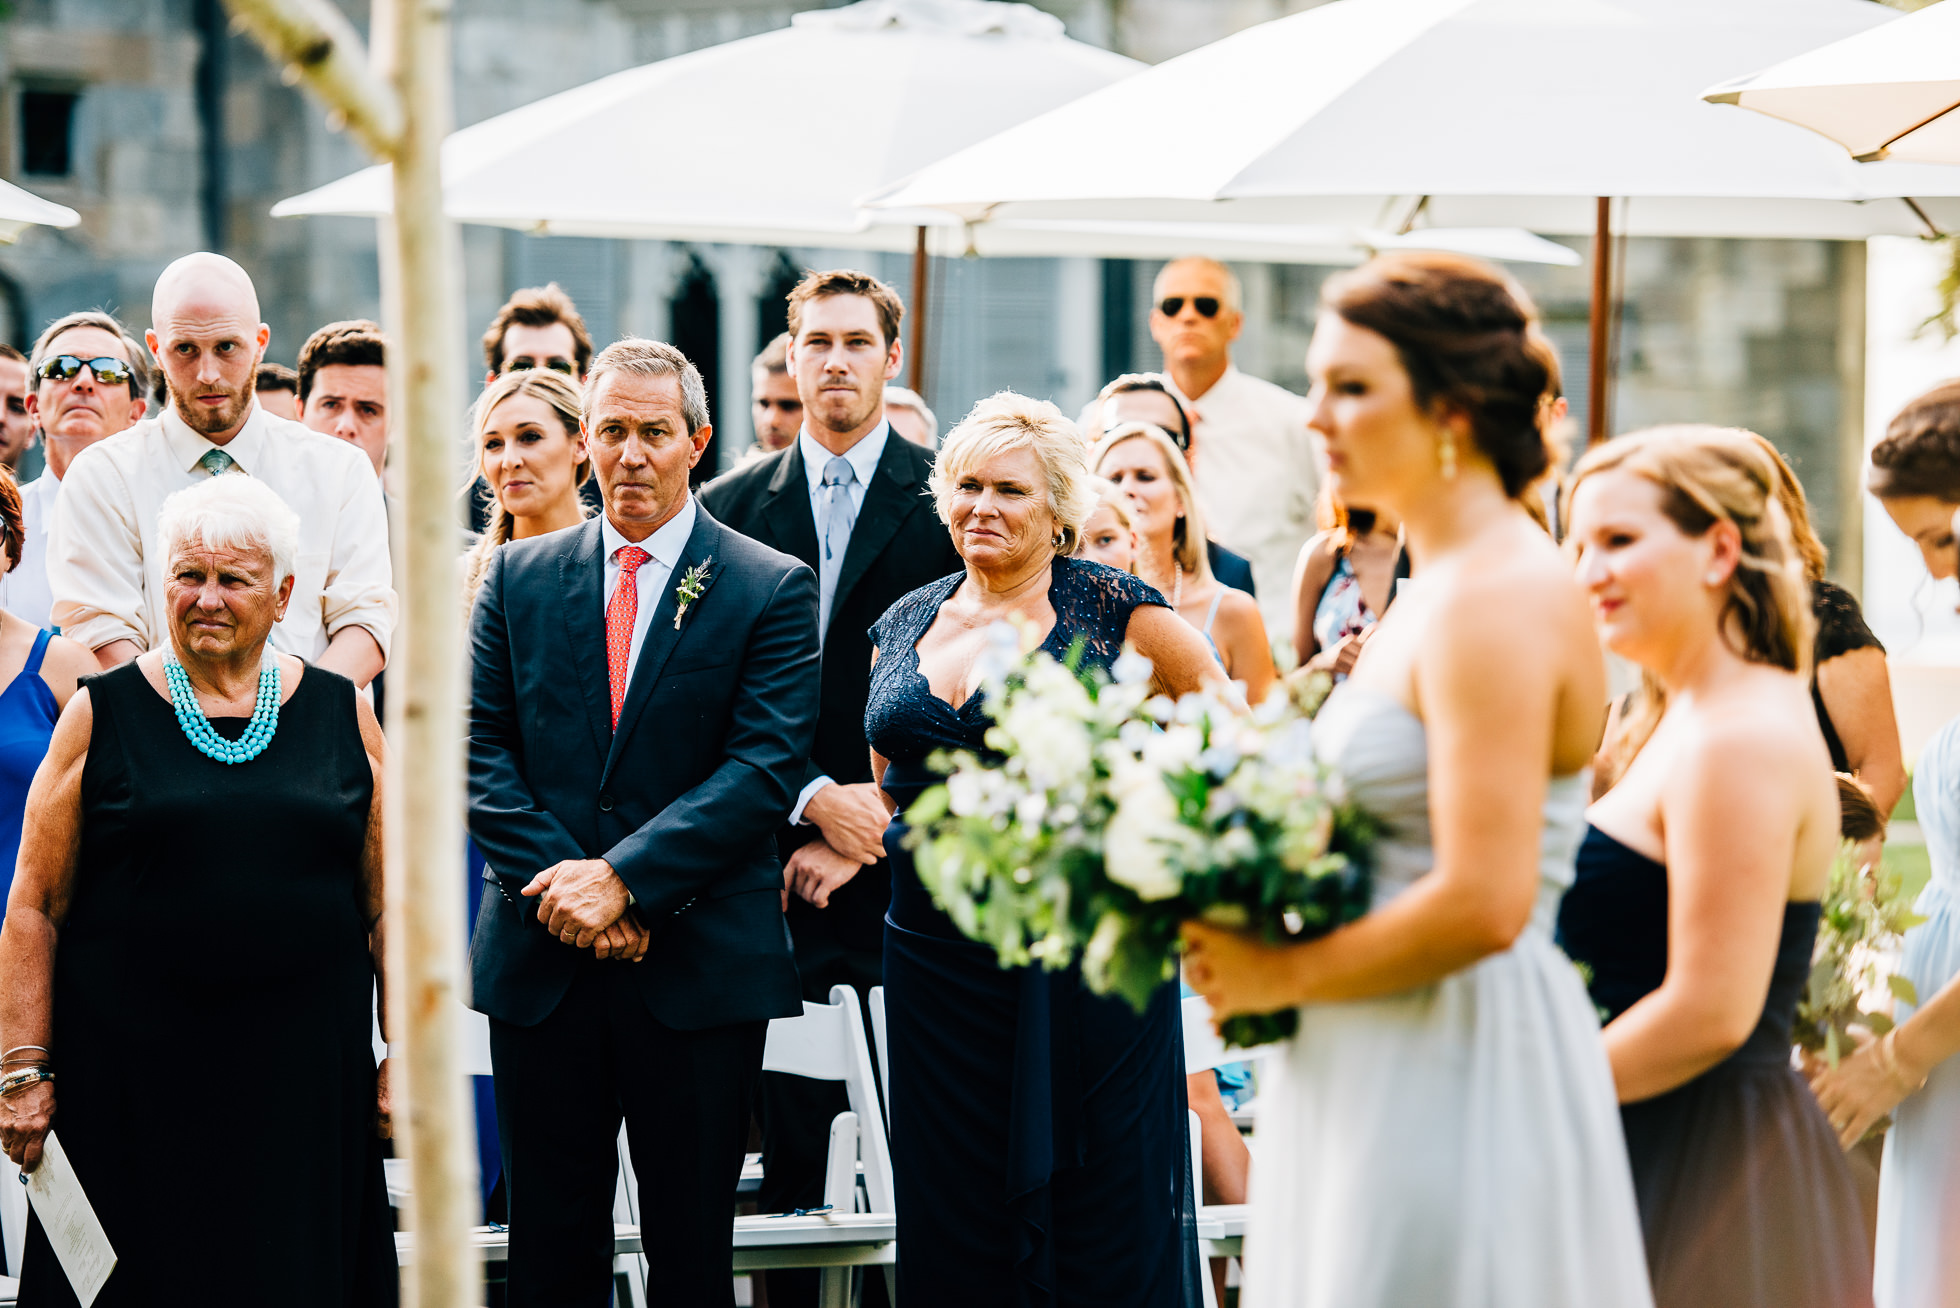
{"type": "Point", "coordinates": [399, 106]}
{"type": "Point", "coordinates": [915, 376]}
{"type": "Point", "coordinates": [1600, 323]}
{"type": "Point", "coordinates": [425, 994]}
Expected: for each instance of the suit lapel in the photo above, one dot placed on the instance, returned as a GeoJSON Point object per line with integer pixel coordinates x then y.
{"type": "Point", "coordinates": [662, 633]}
{"type": "Point", "coordinates": [791, 528]}
{"type": "Point", "coordinates": [892, 494]}
{"type": "Point", "coordinates": [581, 583]}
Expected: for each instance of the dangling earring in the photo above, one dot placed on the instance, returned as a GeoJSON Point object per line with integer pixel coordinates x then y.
{"type": "Point", "coordinates": [1446, 454]}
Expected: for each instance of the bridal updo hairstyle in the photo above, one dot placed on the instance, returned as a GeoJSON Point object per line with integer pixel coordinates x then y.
{"type": "Point", "coordinates": [1006, 421]}
{"type": "Point", "coordinates": [1708, 475]}
{"type": "Point", "coordinates": [1468, 338]}
{"type": "Point", "coordinates": [1920, 454]}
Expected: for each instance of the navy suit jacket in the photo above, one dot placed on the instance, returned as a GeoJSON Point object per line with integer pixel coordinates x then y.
{"type": "Point", "coordinates": [683, 800]}
{"type": "Point", "coordinates": [1230, 569]}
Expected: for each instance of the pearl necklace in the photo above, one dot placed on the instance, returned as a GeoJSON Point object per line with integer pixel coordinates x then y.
{"type": "Point", "coordinates": [197, 727]}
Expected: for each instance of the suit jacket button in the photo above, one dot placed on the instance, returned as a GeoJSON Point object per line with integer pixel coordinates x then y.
{"type": "Point", "coordinates": [605, 802]}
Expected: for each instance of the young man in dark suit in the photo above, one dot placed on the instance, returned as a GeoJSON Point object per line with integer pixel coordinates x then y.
{"type": "Point", "coordinates": [644, 695]}
{"type": "Point", "coordinates": [848, 497]}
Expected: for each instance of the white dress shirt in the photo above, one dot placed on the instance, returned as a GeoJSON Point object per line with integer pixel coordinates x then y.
{"type": "Point", "coordinates": [1258, 476]}
{"type": "Point", "coordinates": [863, 458]}
{"type": "Point", "coordinates": [665, 545]}
{"type": "Point", "coordinates": [104, 558]}
{"type": "Point", "coordinates": [24, 590]}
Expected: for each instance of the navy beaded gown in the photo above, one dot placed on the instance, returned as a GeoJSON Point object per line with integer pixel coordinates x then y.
{"type": "Point", "coordinates": [1745, 1198]}
{"type": "Point", "coordinates": [1038, 1131]}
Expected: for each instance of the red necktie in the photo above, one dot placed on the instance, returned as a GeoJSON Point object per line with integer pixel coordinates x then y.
{"type": "Point", "coordinates": [621, 613]}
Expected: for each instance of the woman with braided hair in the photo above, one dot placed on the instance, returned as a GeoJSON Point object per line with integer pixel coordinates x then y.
{"type": "Point", "coordinates": [1911, 1071]}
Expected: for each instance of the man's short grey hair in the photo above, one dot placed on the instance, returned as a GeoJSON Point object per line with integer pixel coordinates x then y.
{"type": "Point", "coordinates": [230, 512]}
{"type": "Point", "coordinates": [139, 358]}
{"type": "Point", "coordinates": [904, 397]}
{"type": "Point", "coordinates": [643, 358]}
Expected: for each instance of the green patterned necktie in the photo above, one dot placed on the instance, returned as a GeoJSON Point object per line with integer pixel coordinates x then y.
{"type": "Point", "coordinates": [217, 462]}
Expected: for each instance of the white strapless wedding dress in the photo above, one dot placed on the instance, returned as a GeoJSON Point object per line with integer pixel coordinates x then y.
{"type": "Point", "coordinates": [1457, 1145]}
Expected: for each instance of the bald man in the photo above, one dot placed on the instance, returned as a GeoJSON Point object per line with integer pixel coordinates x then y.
{"type": "Point", "coordinates": [1252, 457]}
{"type": "Point", "coordinates": [102, 548]}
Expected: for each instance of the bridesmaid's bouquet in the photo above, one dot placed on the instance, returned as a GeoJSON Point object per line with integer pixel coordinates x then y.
{"type": "Point", "coordinates": [1854, 976]}
{"type": "Point", "coordinates": [1102, 817]}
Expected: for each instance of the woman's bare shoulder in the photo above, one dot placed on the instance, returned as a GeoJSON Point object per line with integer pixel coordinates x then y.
{"type": "Point", "coordinates": [66, 663]}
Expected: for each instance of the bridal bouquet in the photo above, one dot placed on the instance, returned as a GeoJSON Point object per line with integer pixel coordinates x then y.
{"type": "Point", "coordinates": [1854, 970]}
{"type": "Point", "coordinates": [1102, 817]}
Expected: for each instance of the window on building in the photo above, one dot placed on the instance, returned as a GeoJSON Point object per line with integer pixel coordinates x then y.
{"type": "Point", "coordinates": [47, 132]}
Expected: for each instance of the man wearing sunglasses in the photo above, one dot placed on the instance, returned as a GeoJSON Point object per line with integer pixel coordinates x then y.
{"type": "Point", "coordinates": [1254, 461]}
{"type": "Point", "coordinates": [87, 378]}
{"type": "Point", "coordinates": [103, 549]}
{"type": "Point", "coordinates": [538, 327]}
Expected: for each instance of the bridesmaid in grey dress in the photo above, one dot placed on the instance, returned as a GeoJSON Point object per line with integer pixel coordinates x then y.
{"type": "Point", "coordinates": [1442, 1130]}
{"type": "Point", "coordinates": [1912, 1072]}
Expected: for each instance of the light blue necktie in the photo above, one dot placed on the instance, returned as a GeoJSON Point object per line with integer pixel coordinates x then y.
{"type": "Point", "coordinates": [217, 462]}
{"type": "Point", "coordinates": [838, 516]}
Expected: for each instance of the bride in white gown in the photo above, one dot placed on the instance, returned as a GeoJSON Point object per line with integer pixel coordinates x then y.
{"type": "Point", "coordinates": [1443, 1129]}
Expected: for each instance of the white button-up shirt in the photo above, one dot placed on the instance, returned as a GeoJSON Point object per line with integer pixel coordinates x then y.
{"type": "Point", "coordinates": [24, 590]}
{"type": "Point", "coordinates": [665, 545]}
{"type": "Point", "coordinates": [863, 458]}
{"type": "Point", "coordinates": [105, 560]}
{"type": "Point", "coordinates": [1258, 476]}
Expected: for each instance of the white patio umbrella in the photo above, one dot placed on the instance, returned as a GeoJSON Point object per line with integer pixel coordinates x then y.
{"type": "Point", "coordinates": [1888, 93]}
{"type": "Point", "coordinates": [1456, 113]}
{"type": "Point", "coordinates": [20, 210]}
{"type": "Point", "coordinates": [707, 146]}
{"type": "Point", "coordinates": [740, 142]}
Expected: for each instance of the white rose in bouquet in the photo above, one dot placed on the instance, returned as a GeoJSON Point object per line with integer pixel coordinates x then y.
{"type": "Point", "coordinates": [1142, 833]}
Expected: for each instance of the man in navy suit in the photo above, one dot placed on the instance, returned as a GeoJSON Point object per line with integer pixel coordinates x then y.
{"type": "Point", "coordinates": [644, 698]}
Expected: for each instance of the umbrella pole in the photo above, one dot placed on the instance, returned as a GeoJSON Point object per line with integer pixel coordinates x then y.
{"type": "Point", "coordinates": [1600, 322]}
{"type": "Point", "coordinates": [916, 374]}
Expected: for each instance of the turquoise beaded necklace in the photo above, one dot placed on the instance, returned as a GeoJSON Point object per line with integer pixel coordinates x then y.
{"type": "Point", "coordinates": [197, 727]}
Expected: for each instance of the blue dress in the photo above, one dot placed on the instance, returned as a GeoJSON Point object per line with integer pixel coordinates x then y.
{"type": "Point", "coordinates": [27, 717]}
{"type": "Point", "coordinates": [1038, 1139]}
{"type": "Point", "coordinates": [1745, 1198]}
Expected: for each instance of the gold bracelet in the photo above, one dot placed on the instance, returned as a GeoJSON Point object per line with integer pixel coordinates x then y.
{"type": "Point", "coordinates": [1888, 1062]}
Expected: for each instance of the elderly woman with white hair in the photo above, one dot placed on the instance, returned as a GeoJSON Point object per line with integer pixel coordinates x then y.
{"type": "Point", "coordinates": [1038, 1131]}
{"type": "Point", "coordinates": [192, 943]}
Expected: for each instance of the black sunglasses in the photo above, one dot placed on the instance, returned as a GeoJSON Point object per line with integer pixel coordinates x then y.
{"type": "Point", "coordinates": [1172, 305]}
{"type": "Point", "coordinates": [66, 367]}
{"type": "Point", "coordinates": [557, 363]}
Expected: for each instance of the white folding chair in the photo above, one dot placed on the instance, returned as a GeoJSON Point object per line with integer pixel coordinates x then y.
{"type": "Point", "coordinates": [877, 1002]}
{"type": "Point", "coordinates": [1221, 1227]}
{"type": "Point", "coordinates": [827, 1044]}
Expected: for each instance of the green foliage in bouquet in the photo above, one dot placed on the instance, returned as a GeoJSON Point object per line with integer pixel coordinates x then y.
{"type": "Point", "coordinates": [1101, 818]}
{"type": "Point", "coordinates": [1853, 970]}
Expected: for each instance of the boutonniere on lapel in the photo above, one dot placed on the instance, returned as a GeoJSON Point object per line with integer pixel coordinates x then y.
{"type": "Point", "coordinates": [693, 585]}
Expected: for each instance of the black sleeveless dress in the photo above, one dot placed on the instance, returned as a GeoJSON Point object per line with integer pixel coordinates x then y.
{"type": "Point", "coordinates": [212, 1010]}
{"type": "Point", "coordinates": [1038, 1131]}
{"type": "Point", "coordinates": [1745, 1198]}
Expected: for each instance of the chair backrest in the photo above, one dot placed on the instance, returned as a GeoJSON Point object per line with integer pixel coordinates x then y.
{"type": "Point", "coordinates": [877, 1001]}
{"type": "Point", "coordinates": [1203, 1050]}
{"type": "Point", "coordinates": [827, 1044]}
